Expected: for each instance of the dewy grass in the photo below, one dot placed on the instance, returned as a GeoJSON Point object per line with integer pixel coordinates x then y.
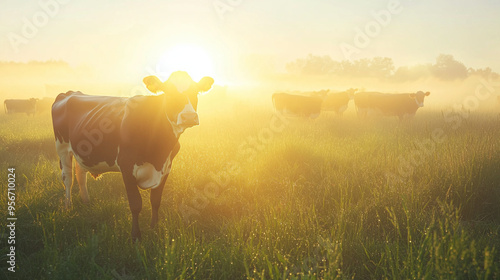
{"type": "Point", "coordinates": [312, 202]}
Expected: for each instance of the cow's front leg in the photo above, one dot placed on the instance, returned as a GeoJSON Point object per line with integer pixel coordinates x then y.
{"type": "Point", "coordinates": [155, 198]}
{"type": "Point", "coordinates": [135, 203]}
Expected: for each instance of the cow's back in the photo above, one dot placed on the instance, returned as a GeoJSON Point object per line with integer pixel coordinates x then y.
{"type": "Point", "coordinates": [90, 125]}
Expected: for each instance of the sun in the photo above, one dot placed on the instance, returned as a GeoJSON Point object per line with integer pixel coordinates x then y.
{"type": "Point", "coordinates": [184, 57]}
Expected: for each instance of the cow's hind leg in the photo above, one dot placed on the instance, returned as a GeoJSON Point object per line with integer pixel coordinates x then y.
{"type": "Point", "coordinates": [81, 178]}
{"type": "Point", "coordinates": [67, 175]}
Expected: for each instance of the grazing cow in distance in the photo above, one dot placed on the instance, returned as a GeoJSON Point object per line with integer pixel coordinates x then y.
{"type": "Point", "coordinates": [137, 136]}
{"type": "Point", "coordinates": [27, 106]}
{"type": "Point", "coordinates": [338, 101]}
{"type": "Point", "coordinates": [401, 105]}
{"type": "Point", "coordinates": [297, 105]}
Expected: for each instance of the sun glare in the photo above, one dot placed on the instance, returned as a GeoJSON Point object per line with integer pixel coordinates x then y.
{"type": "Point", "coordinates": [190, 58]}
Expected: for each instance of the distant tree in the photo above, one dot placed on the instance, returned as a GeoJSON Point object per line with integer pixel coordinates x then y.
{"type": "Point", "coordinates": [447, 68]}
{"type": "Point", "coordinates": [313, 65]}
{"type": "Point", "coordinates": [412, 73]}
{"type": "Point", "coordinates": [486, 73]}
{"type": "Point", "coordinates": [381, 67]}
{"type": "Point", "coordinates": [324, 65]}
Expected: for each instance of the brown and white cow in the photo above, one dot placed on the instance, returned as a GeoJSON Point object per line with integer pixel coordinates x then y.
{"type": "Point", "coordinates": [27, 106]}
{"type": "Point", "coordinates": [401, 105]}
{"type": "Point", "coordinates": [137, 136]}
{"type": "Point", "coordinates": [297, 105]}
{"type": "Point", "coordinates": [338, 101]}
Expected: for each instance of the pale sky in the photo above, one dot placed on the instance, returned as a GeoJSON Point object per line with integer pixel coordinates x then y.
{"type": "Point", "coordinates": [131, 35]}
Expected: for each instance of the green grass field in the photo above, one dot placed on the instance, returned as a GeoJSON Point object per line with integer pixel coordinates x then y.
{"type": "Point", "coordinates": [251, 196]}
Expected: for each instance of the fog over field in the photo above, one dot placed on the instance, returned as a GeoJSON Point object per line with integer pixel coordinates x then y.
{"type": "Point", "coordinates": [259, 189]}
{"type": "Point", "coordinates": [449, 80]}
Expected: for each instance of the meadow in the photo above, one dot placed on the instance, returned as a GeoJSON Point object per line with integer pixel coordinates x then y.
{"type": "Point", "coordinates": [254, 196]}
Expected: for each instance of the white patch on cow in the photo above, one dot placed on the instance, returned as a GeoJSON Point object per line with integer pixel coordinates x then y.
{"type": "Point", "coordinates": [179, 126]}
{"type": "Point", "coordinates": [419, 104]}
{"type": "Point", "coordinates": [188, 109]}
{"type": "Point", "coordinates": [62, 147]}
{"type": "Point", "coordinates": [148, 177]}
{"type": "Point", "coordinates": [64, 151]}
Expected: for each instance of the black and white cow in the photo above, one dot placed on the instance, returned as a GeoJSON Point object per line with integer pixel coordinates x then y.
{"type": "Point", "coordinates": [136, 136]}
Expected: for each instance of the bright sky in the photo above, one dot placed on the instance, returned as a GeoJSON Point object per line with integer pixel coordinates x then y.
{"type": "Point", "coordinates": [130, 36]}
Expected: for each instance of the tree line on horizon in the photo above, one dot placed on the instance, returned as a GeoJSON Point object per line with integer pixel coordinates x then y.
{"type": "Point", "coordinates": [446, 68]}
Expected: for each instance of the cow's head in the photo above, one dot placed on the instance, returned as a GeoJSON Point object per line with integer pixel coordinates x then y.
{"type": "Point", "coordinates": [419, 97]}
{"type": "Point", "coordinates": [181, 97]}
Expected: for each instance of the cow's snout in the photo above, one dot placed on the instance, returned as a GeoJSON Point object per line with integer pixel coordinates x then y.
{"type": "Point", "coordinates": [188, 119]}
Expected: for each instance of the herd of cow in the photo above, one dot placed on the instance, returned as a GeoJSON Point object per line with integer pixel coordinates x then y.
{"type": "Point", "coordinates": [138, 136]}
{"type": "Point", "coordinates": [307, 105]}
{"type": "Point", "coordinates": [367, 104]}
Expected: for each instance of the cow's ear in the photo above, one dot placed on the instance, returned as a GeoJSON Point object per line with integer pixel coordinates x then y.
{"type": "Point", "coordinates": [427, 93]}
{"type": "Point", "coordinates": [205, 84]}
{"type": "Point", "coordinates": [153, 84]}
{"type": "Point", "coordinates": [412, 95]}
